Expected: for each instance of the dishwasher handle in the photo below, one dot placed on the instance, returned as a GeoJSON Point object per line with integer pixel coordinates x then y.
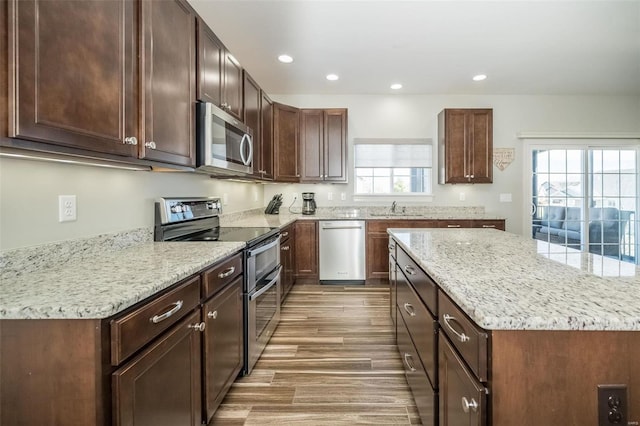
{"type": "Point", "coordinates": [341, 226]}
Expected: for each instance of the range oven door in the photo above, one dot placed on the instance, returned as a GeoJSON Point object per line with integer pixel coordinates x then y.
{"type": "Point", "coordinates": [262, 259]}
{"type": "Point", "coordinates": [263, 315]}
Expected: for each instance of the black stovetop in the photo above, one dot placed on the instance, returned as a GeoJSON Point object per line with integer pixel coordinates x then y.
{"type": "Point", "coordinates": [250, 236]}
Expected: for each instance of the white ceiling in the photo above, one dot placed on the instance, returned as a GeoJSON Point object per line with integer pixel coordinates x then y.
{"type": "Point", "coordinates": [434, 47]}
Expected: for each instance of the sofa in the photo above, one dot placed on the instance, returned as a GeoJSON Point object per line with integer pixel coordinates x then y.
{"type": "Point", "coordinates": [562, 225]}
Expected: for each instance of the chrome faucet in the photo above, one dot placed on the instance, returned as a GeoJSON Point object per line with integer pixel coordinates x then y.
{"type": "Point", "coordinates": [393, 207]}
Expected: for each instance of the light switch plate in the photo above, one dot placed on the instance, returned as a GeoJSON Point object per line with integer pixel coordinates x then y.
{"type": "Point", "coordinates": [505, 198]}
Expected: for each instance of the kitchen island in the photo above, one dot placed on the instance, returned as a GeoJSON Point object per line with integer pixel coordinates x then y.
{"type": "Point", "coordinates": [546, 330]}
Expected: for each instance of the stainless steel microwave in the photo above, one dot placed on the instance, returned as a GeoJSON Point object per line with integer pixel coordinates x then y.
{"type": "Point", "coordinates": [224, 144]}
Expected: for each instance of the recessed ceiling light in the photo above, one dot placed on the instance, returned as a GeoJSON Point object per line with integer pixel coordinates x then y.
{"type": "Point", "coordinates": [285, 59]}
{"type": "Point", "coordinates": [396, 86]}
{"type": "Point", "coordinates": [332, 77]}
{"type": "Point", "coordinates": [479, 77]}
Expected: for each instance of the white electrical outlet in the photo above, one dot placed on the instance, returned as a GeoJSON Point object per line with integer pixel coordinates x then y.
{"type": "Point", "coordinates": [505, 198]}
{"type": "Point", "coordinates": [225, 199]}
{"type": "Point", "coordinates": [330, 196]}
{"type": "Point", "coordinates": [343, 196]}
{"type": "Point", "coordinates": [67, 211]}
{"type": "Point", "coordinates": [462, 196]}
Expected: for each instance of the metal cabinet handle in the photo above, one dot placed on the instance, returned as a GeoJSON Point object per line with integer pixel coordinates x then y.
{"type": "Point", "coordinates": [392, 247]}
{"type": "Point", "coordinates": [284, 234]}
{"type": "Point", "coordinates": [407, 363]}
{"type": "Point", "coordinates": [461, 336]}
{"type": "Point", "coordinates": [466, 405]}
{"type": "Point", "coordinates": [131, 140]}
{"type": "Point", "coordinates": [453, 226]}
{"type": "Point", "coordinates": [198, 326]}
{"type": "Point", "coordinates": [488, 226]}
{"type": "Point", "coordinates": [159, 318]}
{"type": "Point", "coordinates": [150, 145]}
{"type": "Point", "coordinates": [409, 270]}
{"type": "Point", "coordinates": [227, 272]}
{"type": "Point", "coordinates": [212, 315]}
{"type": "Point", "coordinates": [408, 307]}
{"type": "Point", "coordinates": [284, 248]}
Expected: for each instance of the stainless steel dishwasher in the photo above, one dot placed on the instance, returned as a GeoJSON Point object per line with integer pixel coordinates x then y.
{"type": "Point", "coordinates": [342, 253]}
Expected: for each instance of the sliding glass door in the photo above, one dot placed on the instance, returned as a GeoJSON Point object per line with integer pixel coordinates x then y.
{"type": "Point", "coordinates": [586, 198]}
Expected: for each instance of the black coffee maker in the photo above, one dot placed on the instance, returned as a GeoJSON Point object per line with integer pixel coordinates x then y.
{"type": "Point", "coordinates": [308, 203]}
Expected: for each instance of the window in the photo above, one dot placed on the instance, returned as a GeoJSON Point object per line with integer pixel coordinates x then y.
{"type": "Point", "coordinates": [393, 166]}
{"type": "Point", "coordinates": [585, 198]}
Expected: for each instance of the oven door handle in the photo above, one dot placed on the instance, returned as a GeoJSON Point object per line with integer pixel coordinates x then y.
{"type": "Point", "coordinates": [264, 247]}
{"type": "Point", "coordinates": [267, 287]}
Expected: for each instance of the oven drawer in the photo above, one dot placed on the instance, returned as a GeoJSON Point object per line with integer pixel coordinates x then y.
{"type": "Point", "coordinates": [422, 327]}
{"type": "Point", "coordinates": [221, 274]}
{"type": "Point", "coordinates": [470, 340]}
{"type": "Point", "coordinates": [423, 285]}
{"type": "Point", "coordinates": [424, 396]}
{"type": "Point", "coordinates": [134, 330]}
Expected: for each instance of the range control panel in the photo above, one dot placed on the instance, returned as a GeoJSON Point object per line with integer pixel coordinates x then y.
{"type": "Point", "coordinates": [173, 210]}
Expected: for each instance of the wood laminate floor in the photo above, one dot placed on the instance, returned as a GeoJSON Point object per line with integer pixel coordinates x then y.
{"type": "Point", "coordinates": [332, 361]}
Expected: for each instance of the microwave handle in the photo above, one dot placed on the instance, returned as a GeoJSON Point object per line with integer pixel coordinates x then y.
{"type": "Point", "coordinates": [246, 138]}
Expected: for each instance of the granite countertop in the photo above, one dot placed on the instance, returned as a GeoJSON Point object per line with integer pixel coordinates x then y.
{"type": "Point", "coordinates": [104, 285]}
{"type": "Point", "coordinates": [503, 282]}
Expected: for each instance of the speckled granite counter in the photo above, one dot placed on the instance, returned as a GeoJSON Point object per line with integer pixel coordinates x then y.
{"type": "Point", "coordinates": [104, 285]}
{"type": "Point", "coordinates": [502, 282]}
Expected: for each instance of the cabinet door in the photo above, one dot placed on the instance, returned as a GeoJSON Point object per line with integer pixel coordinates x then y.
{"type": "Point", "coordinates": [312, 145]}
{"type": "Point", "coordinates": [161, 386]}
{"type": "Point", "coordinates": [286, 129]}
{"type": "Point", "coordinates": [168, 84]}
{"type": "Point", "coordinates": [306, 247]}
{"type": "Point", "coordinates": [251, 101]}
{"type": "Point", "coordinates": [377, 255]}
{"type": "Point", "coordinates": [223, 344]}
{"type": "Point", "coordinates": [266, 127]}
{"type": "Point", "coordinates": [232, 87]}
{"type": "Point", "coordinates": [462, 398]}
{"type": "Point", "coordinates": [73, 74]}
{"type": "Point", "coordinates": [481, 150]}
{"type": "Point", "coordinates": [335, 145]}
{"type": "Point", "coordinates": [210, 60]}
{"type": "Point", "coordinates": [286, 258]}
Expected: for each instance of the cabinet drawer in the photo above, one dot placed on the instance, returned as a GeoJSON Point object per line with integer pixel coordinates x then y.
{"type": "Point", "coordinates": [463, 400]}
{"type": "Point", "coordinates": [455, 224]}
{"type": "Point", "coordinates": [134, 330]}
{"type": "Point", "coordinates": [393, 247]}
{"type": "Point", "coordinates": [495, 224]}
{"type": "Point", "coordinates": [423, 394]}
{"type": "Point", "coordinates": [221, 274]}
{"type": "Point", "coordinates": [287, 232]}
{"type": "Point", "coordinates": [422, 328]}
{"type": "Point", "coordinates": [421, 283]}
{"type": "Point", "coordinates": [470, 340]}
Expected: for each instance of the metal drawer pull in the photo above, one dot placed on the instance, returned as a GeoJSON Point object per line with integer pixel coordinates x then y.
{"type": "Point", "coordinates": [158, 318]}
{"type": "Point", "coordinates": [198, 327]}
{"type": "Point", "coordinates": [453, 226]}
{"type": "Point", "coordinates": [461, 336]}
{"type": "Point", "coordinates": [411, 312]}
{"type": "Point", "coordinates": [392, 247]}
{"type": "Point", "coordinates": [131, 140]}
{"type": "Point", "coordinates": [466, 405]}
{"type": "Point", "coordinates": [213, 315]}
{"type": "Point", "coordinates": [227, 272]}
{"type": "Point", "coordinates": [406, 361]}
{"type": "Point", "coordinates": [284, 248]}
{"type": "Point", "coordinates": [284, 234]}
{"type": "Point", "coordinates": [409, 270]}
{"type": "Point", "coordinates": [150, 145]}
{"type": "Point", "coordinates": [488, 226]}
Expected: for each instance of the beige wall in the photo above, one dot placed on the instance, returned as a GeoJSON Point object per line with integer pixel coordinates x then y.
{"type": "Point", "coordinates": [108, 200]}
{"type": "Point", "coordinates": [416, 117]}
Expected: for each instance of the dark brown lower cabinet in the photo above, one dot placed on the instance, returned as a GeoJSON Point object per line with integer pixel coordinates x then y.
{"type": "Point", "coordinates": [306, 248]}
{"type": "Point", "coordinates": [463, 399]}
{"type": "Point", "coordinates": [223, 344]}
{"type": "Point", "coordinates": [287, 258]}
{"type": "Point", "coordinates": [425, 397]}
{"type": "Point", "coordinates": [161, 385]}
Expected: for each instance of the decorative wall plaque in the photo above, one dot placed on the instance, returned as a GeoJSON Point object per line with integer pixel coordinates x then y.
{"type": "Point", "coordinates": [502, 157]}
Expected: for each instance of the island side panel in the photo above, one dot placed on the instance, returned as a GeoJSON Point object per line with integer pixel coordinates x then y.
{"type": "Point", "coordinates": [52, 372]}
{"type": "Point", "coordinates": [551, 377]}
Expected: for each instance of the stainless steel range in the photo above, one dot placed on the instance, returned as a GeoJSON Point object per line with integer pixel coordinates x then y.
{"type": "Point", "coordinates": [197, 219]}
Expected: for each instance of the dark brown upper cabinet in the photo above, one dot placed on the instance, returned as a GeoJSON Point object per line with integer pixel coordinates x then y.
{"type": "Point", "coordinates": [251, 101]}
{"type": "Point", "coordinates": [168, 56]}
{"type": "Point", "coordinates": [72, 79]}
{"type": "Point", "coordinates": [219, 73]}
{"type": "Point", "coordinates": [323, 145]}
{"type": "Point", "coordinates": [286, 131]}
{"type": "Point", "coordinates": [266, 143]}
{"type": "Point", "coordinates": [465, 146]}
